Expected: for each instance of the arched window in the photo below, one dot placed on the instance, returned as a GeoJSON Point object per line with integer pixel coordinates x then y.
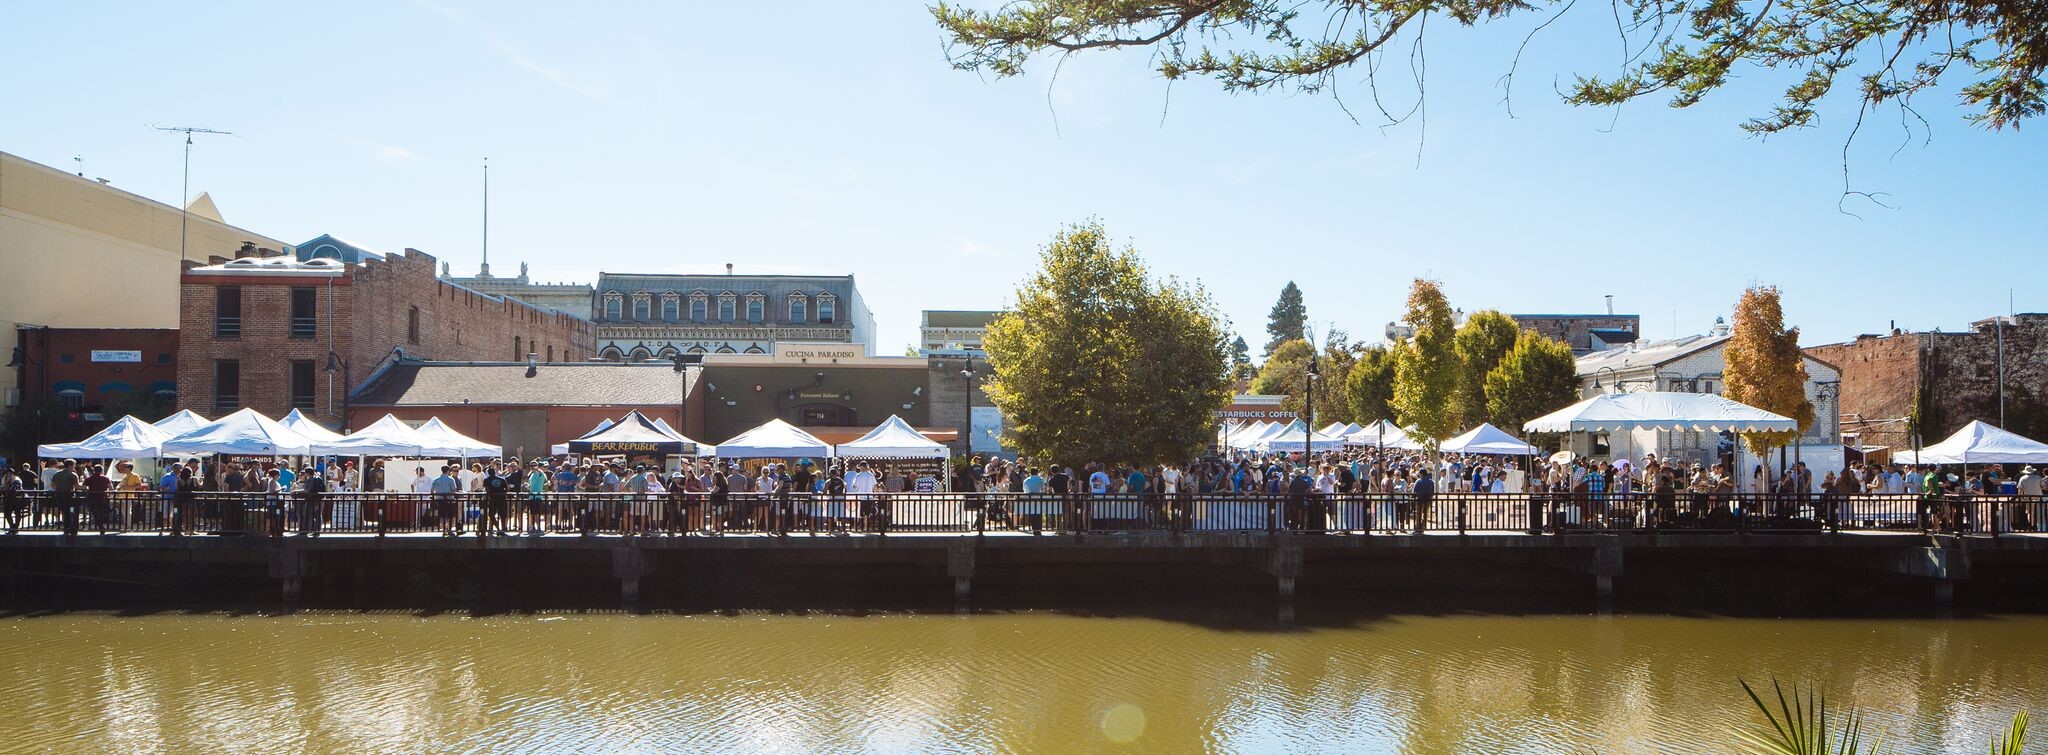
{"type": "Point", "coordinates": [641, 303]}
{"type": "Point", "coordinates": [612, 303]}
{"type": "Point", "coordinates": [640, 354]}
{"type": "Point", "coordinates": [828, 307]}
{"type": "Point", "coordinates": [518, 348]}
{"type": "Point", "coordinates": [726, 348]}
{"type": "Point", "coordinates": [697, 348]}
{"type": "Point", "coordinates": [670, 304]}
{"type": "Point", "coordinates": [551, 353]}
{"type": "Point", "coordinates": [756, 349]}
{"type": "Point", "coordinates": [726, 303]}
{"type": "Point", "coordinates": [798, 308]}
{"type": "Point", "coordinates": [698, 304]}
{"type": "Point", "coordinates": [611, 354]}
{"type": "Point", "coordinates": [757, 306]}
{"type": "Point", "coordinates": [669, 352]}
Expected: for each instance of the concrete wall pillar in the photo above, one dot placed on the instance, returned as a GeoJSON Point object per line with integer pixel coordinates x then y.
{"type": "Point", "coordinates": [960, 566]}
{"type": "Point", "coordinates": [629, 565]}
{"type": "Point", "coordinates": [291, 566]}
{"type": "Point", "coordinates": [1284, 564]}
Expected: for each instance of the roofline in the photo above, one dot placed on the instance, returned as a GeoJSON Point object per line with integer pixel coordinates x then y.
{"type": "Point", "coordinates": [601, 275]}
{"type": "Point", "coordinates": [1559, 317]}
{"type": "Point", "coordinates": [284, 246]}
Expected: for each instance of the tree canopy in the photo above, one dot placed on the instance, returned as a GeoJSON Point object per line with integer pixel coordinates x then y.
{"type": "Point", "coordinates": [1285, 371]}
{"type": "Point", "coordinates": [1484, 339]}
{"type": "Point", "coordinates": [1369, 388]}
{"type": "Point", "coordinates": [1095, 361]}
{"type": "Point", "coordinates": [1426, 367]}
{"type": "Point", "coordinates": [1288, 320]}
{"type": "Point", "coordinates": [1241, 360]}
{"type": "Point", "coordinates": [1764, 367]}
{"type": "Point", "coordinates": [1679, 49]}
{"type": "Point", "coordinates": [1536, 377]}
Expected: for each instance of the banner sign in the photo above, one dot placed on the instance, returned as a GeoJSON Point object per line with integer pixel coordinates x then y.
{"type": "Point", "coordinates": [116, 355]}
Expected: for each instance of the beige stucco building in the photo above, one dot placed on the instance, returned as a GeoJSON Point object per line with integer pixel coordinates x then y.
{"type": "Point", "coordinates": [77, 253]}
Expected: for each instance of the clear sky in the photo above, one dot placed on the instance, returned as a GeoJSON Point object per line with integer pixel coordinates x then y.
{"type": "Point", "coordinates": [833, 137]}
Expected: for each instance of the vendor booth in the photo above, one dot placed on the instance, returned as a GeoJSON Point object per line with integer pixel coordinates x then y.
{"type": "Point", "coordinates": [560, 449]}
{"type": "Point", "coordinates": [1980, 443]}
{"type": "Point", "coordinates": [305, 426]}
{"type": "Point", "coordinates": [895, 449]}
{"type": "Point", "coordinates": [127, 438]}
{"type": "Point", "coordinates": [183, 422]}
{"type": "Point", "coordinates": [447, 442]}
{"type": "Point", "coordinates": [635, 436]}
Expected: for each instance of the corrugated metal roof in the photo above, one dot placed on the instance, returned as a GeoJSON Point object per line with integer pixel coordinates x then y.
{"type": "Point", "coordinates": [501, 384]}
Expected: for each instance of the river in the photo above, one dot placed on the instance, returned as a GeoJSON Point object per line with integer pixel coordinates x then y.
{"type": "Point", "coordinates": [991, 682]}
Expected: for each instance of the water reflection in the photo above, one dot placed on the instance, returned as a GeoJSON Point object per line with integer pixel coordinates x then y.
{"type": "Point", "coordinates": [1030, 682]}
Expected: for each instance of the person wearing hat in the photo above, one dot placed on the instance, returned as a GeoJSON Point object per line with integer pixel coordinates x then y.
{"type": "Point", "coordinates": [2029, 489]}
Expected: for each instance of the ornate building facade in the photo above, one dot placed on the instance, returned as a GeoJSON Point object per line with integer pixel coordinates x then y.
{"type": "Point", "coordinates": [642, 317]}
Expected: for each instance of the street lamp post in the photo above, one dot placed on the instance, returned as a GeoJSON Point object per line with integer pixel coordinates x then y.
{"type": "Point", "coordinates": [968, 374]}
{"type": "Point", "coordinates": [1608, 370]}
{"type": "Point", "coordinates": [336, 363]}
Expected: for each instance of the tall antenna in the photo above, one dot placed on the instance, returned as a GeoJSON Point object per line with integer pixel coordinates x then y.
{"type": "Point", "coordinates": [185, 189]}
{"type": "Point", "coordinates": [80, 159]}
{"type": "Point", "coordinates": [485, 272]}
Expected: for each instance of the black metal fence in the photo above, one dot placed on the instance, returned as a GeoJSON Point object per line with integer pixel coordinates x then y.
{"type": "Point", "coordinates": [702, 514]}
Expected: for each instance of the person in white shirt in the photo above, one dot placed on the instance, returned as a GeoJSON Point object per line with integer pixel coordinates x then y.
{"type": "Point", "coordinates": [1169, 480]}
{"type": "Point", "coordinates": [1098, 482]}
{"type": "Point", "coordinates": [862, 481]}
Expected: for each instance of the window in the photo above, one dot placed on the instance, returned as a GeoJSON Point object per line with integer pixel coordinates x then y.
{"type": "Point", "coordinates": [227, 386]}
{"type": "Point", "coordinates": [611, 307]}
{"type": "Point", "coordinates": [165, 358]}
{"type": "Point", "coordinates": [640, 307]}
{"type": "Point", "coordinates": [826, 309]}
{"type": "Point", "coordinates": [302, 384]}
{"type": "Point", "coordinates": [227, 312]}
{"type": "Point", "coordinates": [304, 301]}
{"type": "Point", "coordinates": [725, 306]}
{"type": "Point", "coordinates": [754, 309]}
{"type": "Point", "coordinates": [412, 326]}
{"type": "Point", "coordinates": [668, 309]}
{"type": "Point", "coordinates": [66, 358]}
{"type": "Point", "coordinates": [518, 348]}
{"type": "Point", "coordinates": [551, 353]}
{"type": "Point", "coordinates": [797, 309]}
{"type": "Point", "coordinates": [697, 306]}
{"type": "Point", "coordinates": [71, 399]}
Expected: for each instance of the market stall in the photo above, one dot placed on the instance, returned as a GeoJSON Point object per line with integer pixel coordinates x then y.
{"type": "Point", "coordinates": [895, 447]}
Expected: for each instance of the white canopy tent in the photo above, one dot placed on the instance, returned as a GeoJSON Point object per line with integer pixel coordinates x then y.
{"type": "Point", "coordinates": [1659, 410]}
{"type": "Point", "coordinates": [636, 434]}
{"type": "Point", "coordinates": [1489, 440]}
{"type": "Point", "coordinates": [774, 440]}
{"type": "Point", "coordinates": [1981, 443]}
{"type": "Point", "coordinates": [388, 436]}
{"type": "Point", "coordinates": [183, 422]}
{"type": "Point", "coordinates": [244, 433]}
{"type": "Point", "coordinates": [1335, 429]}
{"type": "Point", "coordinates": [1236, 435]}
{"type": "Point", "coordinates": [1384, 432]}
{"type": "Point", "coordinates": [447, 442]}
{"type": "Point", "coordinates": [313, 431]}
{"type": "Point", "coordinates": [893, 439]}
{"type": "Point", "coordinates": [127, 438]}
{"type": "Point", "coordinates": [1294, 437]}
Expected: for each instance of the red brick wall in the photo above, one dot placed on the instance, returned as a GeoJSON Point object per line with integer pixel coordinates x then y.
{"type": "Point", "coordinates": [1879, 376]}
{"type": "Point", "coordinates": [372, 307]}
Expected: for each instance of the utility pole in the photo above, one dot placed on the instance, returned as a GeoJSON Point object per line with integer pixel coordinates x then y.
{"type": "Point", "coordinates": [185, 188]}
{"type": "Point", "coordinates": [485, 272]}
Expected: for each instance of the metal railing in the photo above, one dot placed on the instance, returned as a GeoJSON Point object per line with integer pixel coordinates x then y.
{"type": "Point", "coordinates": [707, 514]}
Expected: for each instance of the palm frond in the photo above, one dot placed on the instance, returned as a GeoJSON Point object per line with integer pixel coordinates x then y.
{"type": "Point", "coordinates": [2014, 740]}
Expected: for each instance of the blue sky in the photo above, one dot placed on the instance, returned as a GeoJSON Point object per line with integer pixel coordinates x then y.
{"type": "Point", "coordinates": [833, 137]}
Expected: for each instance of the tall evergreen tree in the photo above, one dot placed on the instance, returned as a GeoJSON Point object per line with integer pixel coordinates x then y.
{"type": "Point", "coordinates": [1241, 360]}
{"type": "Point", "coordinates": [1097, 362]}
{"type": "Point", "coordinates": [1288, 321]}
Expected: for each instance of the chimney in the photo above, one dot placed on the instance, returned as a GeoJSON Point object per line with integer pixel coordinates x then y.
{"type": "Point", "coordinates": [248, 249]}
{"type": "Point", "coordinates": [728, 268]}
{"type": "Point", "coordinates": [215, 259]}
{"type": "Point", "coordinates": [532, 364]}
{"type": "Point", "coordinates": [1610, 304]}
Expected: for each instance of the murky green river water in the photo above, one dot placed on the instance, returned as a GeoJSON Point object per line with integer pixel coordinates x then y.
{"type": "Point", "coordinates": [383, 683]}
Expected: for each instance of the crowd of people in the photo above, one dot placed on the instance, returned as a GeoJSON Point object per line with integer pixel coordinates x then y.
{"type": "Point", "coordinates": [709, 495]}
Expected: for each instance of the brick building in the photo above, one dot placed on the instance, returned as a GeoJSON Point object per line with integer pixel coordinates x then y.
{"type": "Point", "coordinates": [275, 333]}
{"type": "Point", "coordinates": [94, 375]}
{"type": "Point", "coordinates": [1952, 377]}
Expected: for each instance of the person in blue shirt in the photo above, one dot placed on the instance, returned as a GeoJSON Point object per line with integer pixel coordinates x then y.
{"type": "Point", "coordinates": [1135, 484]}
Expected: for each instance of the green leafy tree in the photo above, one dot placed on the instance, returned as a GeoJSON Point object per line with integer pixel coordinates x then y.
{"type": "Point", "coordinates": [1369, 388]}
{"type": "Point", "coordinates": [1891, 51]}
{"type": "Point", "coordinates": [1241, 368]}
{"type": "Point", "coordinates": [1765, 368]}
{"type": "Point", "coordinates": [1482, 342]}
{"type": "Point", "coordinates": [1426, 368]}
{"type": "Point", "coordinates": [1536, 377]}
{"type": "Point", "coordinates": [1097, 362]}
{"type": "Point", "coordinates": [1285, 373]}
{"type": "Point", "coordinates": [1288, 321]}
